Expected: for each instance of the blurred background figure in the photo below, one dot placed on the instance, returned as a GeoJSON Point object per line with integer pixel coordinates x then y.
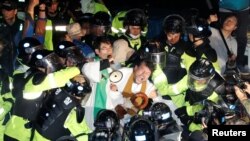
{"type": "Point", "coordinates": [241, 9]}
{"type": "Point", "coordinates": [10, 30]}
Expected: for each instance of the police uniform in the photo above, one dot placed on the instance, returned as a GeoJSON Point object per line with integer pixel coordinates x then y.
{"type": "Point", "coordinates": [29, 96]}
{"type": "Point", "coordinates": [196, 94]}
{"type": "Point", "coordinates": [61, 112]}
{"type": "Point", "coordinates": [13, 34]}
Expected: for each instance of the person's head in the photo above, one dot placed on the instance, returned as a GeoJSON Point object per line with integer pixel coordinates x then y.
{"type": "Point", "coordinates": [85, 22]}
{"type": "Point", "coordinates": [46, 61]}
{"type": "Point", "coordinates": [26, 47]}
{"type": "Point", "coordinates": [140, 129]}
{"type": "Point", "coordinates": [52, 8]}
{"type": "Point", "coordinates": [71, 54]}
{"type": "Point", "coordinates": [159, 112]}
{"type": "Point", "coordinates": [155, 52]}
{"type": "Point", "coordinates": [103, 47]}
{"type": "Point", "coordinates": [142, 71]}
{"type": "Point", "coordinates": [79, 86]}
{"type": "Point", "coordinates": [230, 23]}
{"type": "Point", "coordinates": [107, 119]}
{"type": "Point", "coordinates": [101, 24]}
{"type": "Point", "coordinates": [198, 29]}
{"type": "Point", "coordinates": [75, 31]}
{"type": "Point", "coordinates": [200, 73]}
{"type": "Point", "coordinates": [9, 11]}
{"type": "Point", "coordinates": [173, 26]}
{"type": "Point", "coordinates": [106, 126]}
{"type": "Point", "coordinates": [134, 22]}
{"type": "Point", "coordinates": [74, 10]}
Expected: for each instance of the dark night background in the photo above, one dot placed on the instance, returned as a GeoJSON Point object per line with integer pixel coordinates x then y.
{"type": "Point", "coordinates": [160, 7]}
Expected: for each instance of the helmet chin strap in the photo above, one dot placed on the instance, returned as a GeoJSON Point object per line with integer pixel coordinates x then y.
{"type": "Point", "coordinates": [134, 36]}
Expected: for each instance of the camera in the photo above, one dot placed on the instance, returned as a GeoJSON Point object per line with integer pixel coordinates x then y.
{"type": "Point", "coordinates": [212, 112]}
{"type": "Point", "coordinates": [234, 80]}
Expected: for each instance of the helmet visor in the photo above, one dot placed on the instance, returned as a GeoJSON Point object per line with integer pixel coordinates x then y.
{"type": "Point", "coordinates": [30, 50]}
{"type": "Point", "coordinates": [197, 84]}
{"type": "Point", "coordinates": [100, 30]}
{"type": "Point", "coordinates": [52, 63]}
{"type": "Point", "coordinates": [74, 56]}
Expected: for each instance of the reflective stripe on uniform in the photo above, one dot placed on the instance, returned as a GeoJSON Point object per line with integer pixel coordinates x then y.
{"type": "Point", "coordinates": [159, 78]}
{"type": "Point", "coordinates": [114, 30]}
{"type": "Point", "coordinates": [48, 27]}
{"type": "Point", "coordinates": [123, 30]}
{"type": "Point", "coordinates": [21, 27]}
{"type": "Point", "coordinates": [175, 89]}
{"type": "Point", "coordinates": [60, 28]}
{"type": "Point", "coordinates": [1, 110]}
{"type": "Point", "coordinates": [52, 81]}
{"type": "Point", "coordinates": [31, 95]}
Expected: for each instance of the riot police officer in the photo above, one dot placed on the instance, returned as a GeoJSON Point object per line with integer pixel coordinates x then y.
{"type": "Point", "coordinates": [100, 26]}
{"type": "Point", "coordinates": [10, 30]}
{"type": "Point", "coordinates": [134, 22]}
{"type": "Point", "coordinates": [106, 126]}
{"type": "Point", "coordinates": [160, 114]}
{"type": "Point", "coordinates": [140, 128]}
{"type": "Point", "coordinates": [30, 89]}
{"type": "Point", "coordinates": [62, 108]}
{"type": "Point", "coordinates": [198, 31]}
{"type": "Point", "coordinates": [56, 19]}
{"type": "Point", "coordinates": [204, 84]}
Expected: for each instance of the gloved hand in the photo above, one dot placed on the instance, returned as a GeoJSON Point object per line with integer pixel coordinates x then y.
{"type": "Point", "coordinates": [202, 117]}
{"type": "Point", "coordinates": [183, 115]}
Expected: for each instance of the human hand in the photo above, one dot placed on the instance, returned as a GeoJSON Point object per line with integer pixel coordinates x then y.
{"type": "Point", "coordinates": [113, 87]}
{"type": "Point", "coordinates": [247, 87]}
{"type": "Point", "coordinates": [240, 93]}
{"type": "Point", "coordinates": [212, 18]}
{"type": "Point", "coordinates": [33, 3]}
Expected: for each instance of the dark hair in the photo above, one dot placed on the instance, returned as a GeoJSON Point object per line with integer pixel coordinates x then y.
{"type": "Point", "coordinates": [228, 16]}
{"type": "Point", "coordinates": [148, 63]}
{"type": "Point", "coordinates": [101, 39]}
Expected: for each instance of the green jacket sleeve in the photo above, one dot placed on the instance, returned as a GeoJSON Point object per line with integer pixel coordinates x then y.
{"type": "Point", "coordinates": [77, 129]}
{"type": "Point", "coordinates": [53, 80]}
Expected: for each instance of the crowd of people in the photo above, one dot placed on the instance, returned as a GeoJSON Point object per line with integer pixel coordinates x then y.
{"type": "Point", "coordinates": [73, 74]}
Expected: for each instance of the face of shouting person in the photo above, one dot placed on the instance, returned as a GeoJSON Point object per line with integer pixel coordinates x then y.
{"type": "Point", "coordinates": [141, 73]}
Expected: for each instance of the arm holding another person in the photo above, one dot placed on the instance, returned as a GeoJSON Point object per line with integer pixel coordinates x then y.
{"type": "Point", "coordinates": [242, 96]}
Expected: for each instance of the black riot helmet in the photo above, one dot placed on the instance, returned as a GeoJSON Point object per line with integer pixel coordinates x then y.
{"type": "Point", "coordinates": [154, 52]}
{"type": "Point", "coordinates": [173, 23]}
{"type": "Point", "coordinates": [26, 47]}
{"type": "Point", "coordinates": [101, 22]}
{"type": "Point", "coordinates": [45, 59]}
{"type": "Point", "coordinates": [86, 18]}
{"type": "Point", "coordinates": [135, 17]}
{"type": "Point", "coordinates": [200, 73]}
{"type": "Point", "coordinates": [198, 27]}
{"type": "Point", "coordinates": [79, 89]}
{"type": "Point", "coordinates": [61, 47]}
{"type": "Point", "coordinates": [159, 112]}
{"type": "Point", "coordinates": [140, 129]}
{"type": "Point", "coordinates": [107, 119]}
{"type": "Point", "coordinates": [101, 18]}
{"type": "Point", "coordinates": [70, 52]}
